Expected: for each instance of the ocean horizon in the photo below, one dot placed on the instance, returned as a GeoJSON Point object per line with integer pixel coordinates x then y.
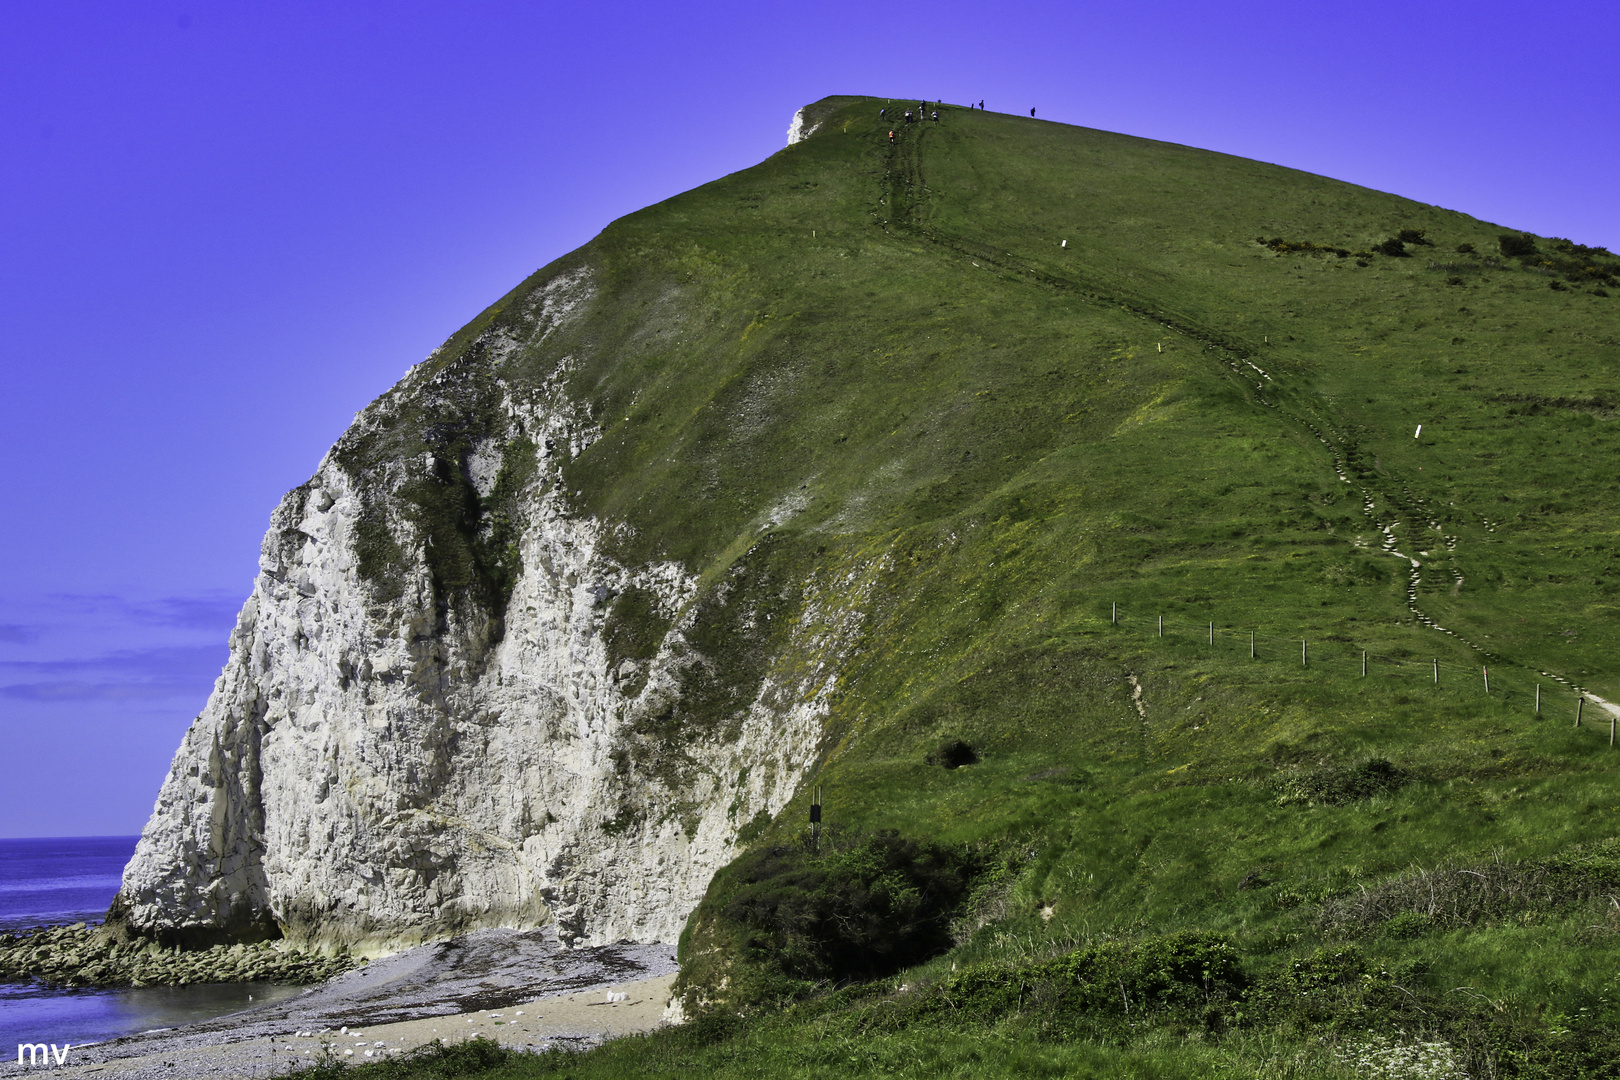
{"type": "Point", "coordinates": [51, 881]}
{"type": "Point", "coordinates": [46, 881]}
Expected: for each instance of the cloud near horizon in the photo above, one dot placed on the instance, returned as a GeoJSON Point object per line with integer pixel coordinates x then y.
{"type": "Point", "coordinates": [179, 671]}
{"type": "Point", "coordinates": [212, 611]}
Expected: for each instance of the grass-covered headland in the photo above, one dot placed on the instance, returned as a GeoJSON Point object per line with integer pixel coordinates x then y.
{"type": "Point", "coordinates": [1026, 390]}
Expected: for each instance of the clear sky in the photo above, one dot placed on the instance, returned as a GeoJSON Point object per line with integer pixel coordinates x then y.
{"type": "Point", "coordinates": [225, 227]}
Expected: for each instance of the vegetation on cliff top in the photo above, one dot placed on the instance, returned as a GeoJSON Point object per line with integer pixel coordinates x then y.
{"type": "Point", "coordinates": [1015, 373]}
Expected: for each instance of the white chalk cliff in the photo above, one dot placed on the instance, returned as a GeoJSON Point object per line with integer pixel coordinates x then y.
{"type": "Point", "coordinates": [395, 754]}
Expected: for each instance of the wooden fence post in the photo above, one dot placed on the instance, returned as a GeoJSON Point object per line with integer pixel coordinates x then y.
{"type": "Point", "coordinates": [1212, 633]}
{"type": "Point", "coordinates": [815, 819]}
{"type": "Point", "coordinates": [1251, 644]}
{"type": "Point", "coordinates": [1363, 663]}
{"type": "Point", "coordinates": [1115, 617]}
{"type": "Point", "coordinates": [1304, 654]}
{"type": "Point", "coordinates": [1538, 699]}
{"type": "Point", "coordinates": [1437, 671]}
{"type": "Point", "coordinates": [1487, 672]}
{"type": "Point", "coordinates": [1161, 626]}
{"type": "Point", "coordinates": [1580, 703]}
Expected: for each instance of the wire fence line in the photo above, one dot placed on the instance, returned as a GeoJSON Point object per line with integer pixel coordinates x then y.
{"type": "Point", "coordinates": [1335, 652]}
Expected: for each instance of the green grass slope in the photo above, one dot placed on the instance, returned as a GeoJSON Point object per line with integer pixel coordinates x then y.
{"type": "Point", "coordinates": [1001, 375]}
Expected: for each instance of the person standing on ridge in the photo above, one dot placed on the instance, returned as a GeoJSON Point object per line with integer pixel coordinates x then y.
{"type": "Point", "coordinates": [981, 104]}
{"type": "Point", "coordinates": [936, 116]}
{"type": "Point", "coordinates": [1032, 112]}
{"type": "Point", "coordinates": [882, 113]}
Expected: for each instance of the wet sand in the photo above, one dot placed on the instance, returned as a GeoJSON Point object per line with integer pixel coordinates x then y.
{"type": "Point", "coordinates": [522, 990]}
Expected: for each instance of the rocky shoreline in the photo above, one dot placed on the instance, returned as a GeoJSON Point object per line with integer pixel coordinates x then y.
{"type": "Point", "coordinates": [521, 988]}
{"type": "Point", "coordinates": [85, 955]}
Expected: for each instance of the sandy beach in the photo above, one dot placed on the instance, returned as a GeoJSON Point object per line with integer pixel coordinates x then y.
{"type": "Point", "coordinates": [522, 990]}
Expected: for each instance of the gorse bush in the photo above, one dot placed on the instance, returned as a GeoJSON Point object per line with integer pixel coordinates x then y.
{"type": "Point", "coordinates": [1334, 785]}
{"type": "Point", "coordinates": [856, 910]}
{"type": "Point", "coordinates": [1125, 979]}
{"type": "Point", "coordinates": [1478, 893]}
{"type": "Point", "coordinates": [1520, 246]}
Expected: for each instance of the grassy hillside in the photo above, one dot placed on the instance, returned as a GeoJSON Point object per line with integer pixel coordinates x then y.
{"type": "Point", "coordinates": [1002, 375]}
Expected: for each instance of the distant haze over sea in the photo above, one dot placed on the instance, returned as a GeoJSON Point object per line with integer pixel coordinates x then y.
{"type": "Point", "coordinates": [59, 879]}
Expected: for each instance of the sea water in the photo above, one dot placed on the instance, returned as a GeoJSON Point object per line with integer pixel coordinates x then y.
{"type": "Point", "coordinates": [49, 882]}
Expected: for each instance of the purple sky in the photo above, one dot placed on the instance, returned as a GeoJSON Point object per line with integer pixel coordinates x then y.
{"type": "Point", "coordinates": [226, 227]}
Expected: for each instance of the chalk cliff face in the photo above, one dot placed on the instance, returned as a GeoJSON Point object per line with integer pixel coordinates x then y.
{"type": "Point", "coordinates": [450, 704]}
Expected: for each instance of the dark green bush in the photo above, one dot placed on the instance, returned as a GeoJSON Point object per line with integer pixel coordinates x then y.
{"type": "Point", "coordinates": [856, 910]}
{"type": "Point", "coordinates": [1132, 980]}
{"type": "Point", "coordinates": [1521, 246]}
{"type": "Point", "coordinates": [1413, 236]}
{"type": "Point", "coordinates": [1333, 785]}
{"type": "Point", "coordinates": [1394, 247]}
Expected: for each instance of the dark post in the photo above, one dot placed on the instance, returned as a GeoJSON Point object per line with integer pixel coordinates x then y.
{"type": "Point", "coordinates": [1538, 699]}
{"type": "Point", "coordinates": [815, 819]}
{"type": "Point", "coordinates": [1437, 671]}
{"type": "Point", "coordinates": [1580, 703]}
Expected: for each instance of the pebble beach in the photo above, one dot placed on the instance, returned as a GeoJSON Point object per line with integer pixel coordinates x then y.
{"type": "Point", "coordinates": [520, 989]}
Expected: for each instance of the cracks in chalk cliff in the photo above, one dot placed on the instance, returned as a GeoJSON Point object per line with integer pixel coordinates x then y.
{"type": "Point", "coordinates": [449, 706]}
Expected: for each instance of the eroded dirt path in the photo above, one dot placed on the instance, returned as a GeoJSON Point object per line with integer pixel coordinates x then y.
{"type": "Point", "coordinates": [1408, 522]}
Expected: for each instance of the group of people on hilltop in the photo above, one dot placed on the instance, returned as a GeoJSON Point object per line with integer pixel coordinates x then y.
{"type": "Point", "coordinates": [922, 107]}
{"type": "Point", "coordinates": [910, 118]}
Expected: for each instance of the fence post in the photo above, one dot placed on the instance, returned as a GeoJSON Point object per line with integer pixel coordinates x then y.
{"type": "Point", "coordinates": [815, 819]}
{"type": "Point", "coordinates": [1212, 633]}
{"type": "Point", "coordinates": [1304, 656]}
{"type": "Point", "coordinates": [1611, 728]}
{"type": "Point", "coordinates": [1251, 644]}
{"type": "Point", "coordinates": [1487, 672]}
{"type": "Point", "coordinates": [1161, 626]}
{"type": "Point", "coordinates": [1363, 663]}
{"type": "Point", "coordinates": [1538, 699]}
{"type": "Point", "coordinates": [1580, 703]}
{"type": "Point", "coordinates": [1437, 671]}
{"type": "Point", "coordinates": [1114, 618]}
